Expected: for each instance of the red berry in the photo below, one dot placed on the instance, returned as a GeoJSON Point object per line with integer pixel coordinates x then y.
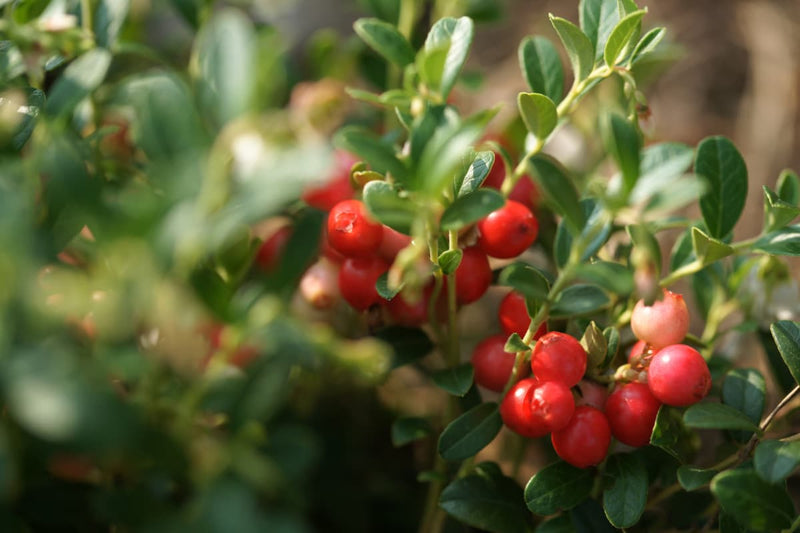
{"type": "Point", "coordinates": [525, 192]}
{"type": "Point", "coordinates": [678, 375]}
{"type": "Point", "coordinates": [663, 323]}
{"type": "Point", "coordinates": [585, 439]}
{"type": "Point", "coordinates": [631, 411]}
{"type": "Point", "coordinates": [336, 189]}
{"type": "Point", "coordinates": [270, 252]}
{"type": "Point", "coordinates": [497, 174]}
{"type": "Point", "coordinates": [351, 230]}
{"type": "Point", "coordinates": [473, 275]}
{"type": "Point", "coordinates": [493, 365]}
{"type": "Point", "coordinates": [552, 405]}
{"type": "Point", "coordinates": [391, 244]}
{"type": "Point", "coordinates": [558, 357]}
{"type": "Point", "coordinates": [405, 313]}
{"type": "Point", "coordinates": [515, 410]}
{"type": "Point", "coordinates": [592, 393]}
{"type": "Point", "coordinates": [357, 278]}
{"type": "Point", "coordinates": [513, 316]}
{"type": "Point", "coordinates": [508, 231]}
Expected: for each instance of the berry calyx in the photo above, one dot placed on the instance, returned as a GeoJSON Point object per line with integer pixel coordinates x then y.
{"type": "Point", "coordinates": [663, 323]}
{"type": "Point", "coordinates": [558, 357]}
{"type": "Point", "coordinates": [678, 376]}
{"type": "Point", "coordinates": [357, 278]}
{"type": "Point", "coordinates": [584, 441]}
{"type": "Point", "coordinates": [513, 316]}
{"type": "Point", "coordinates": [631, 410]}
{"type": "Point", "coordinates": [493, 365]}
{"type": "Point", "coordinates": [473, 275]}
{"type": "Point", "coordinates": [351, 230]}
{"type": "Point", "coordinates": [508, 231]}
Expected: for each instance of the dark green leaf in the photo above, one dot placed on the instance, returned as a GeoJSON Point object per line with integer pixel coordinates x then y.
{"type": "Point", "coordinates": [109, 17]}
{"type": "Point", "coordinates": [515, 344]}
{"type": "Point", "coordinates": [560, 524]}
{"type": "Point", "coordinates": [612, 340]}
{"type": "Point", "coordinates": [559, 189]}
{"type": "Point", "coordinates": [487, 500]}
{"type": "Point", "coordinates": [625, 499]}
{"type": "Point", "coordinates": [456, 36]}
{"type": "Point", "coordinates": [787, 339]}
{"type": "Point", "coordinates": [578, 46]}
{"type": "Point", "coordinates": [754, 503]}
{"type": "Point", "coordinates": [525, 279]}
{"type": "Point", "coordinates": [788, 187]}
{"type": "Point", "coordinates": [682, 252]}
{"type": "Point", "coordinates": [449, 260]}
{"type": "Point", "coordinates": [579, 300]}
{"type": "Point", "coordinates": [780, 372]}
{"type": "Point", "coordinates": [477, 172]}
{"type": "Point", "coordinates": [470, 208]}
{"type": "Point", "coordinates": [36, 101]}
{"type": "Point", "coordinates": [626, 30]}
{"type": "Point", "coordinates": [708, 249]}
{"type": "Point", "coordinates": [717, 416]}
{"type": "Point", "coordinates": [785, 241]}
{"type": "Point", "coordinates": [661, 165]}
{"type": "Point", "coordinates": [775, 460]}
{"type": "Point", "coordinates": [719, 162]}
{"type": "Point", "coordinates": [408, 344]}
{"type": "Point", "coordinates": [559, 486]}
{"type": "Point", "coordinates": [671, 435]}
{"type": "Point", "coordinates": [744, 389]}
{"type": "Point", "coordinates": [386, 40]}
{"type": "Point", "coordinates": [382, 286]}
{"type": "Point", "coordinates": [79, 79]}
{"type": "Point", "coordinates": [384, 203]}
{"type": "Point", "coordinates": [647, 44]}
{"type": "Point", "coordinates": [456, 380]}
{"type": "Point", "coordinates": [597, 19]}
{"type": "Point", "coordinates": [541, 67]}
{"type": "Point", "coordinates": [470, 433]}
{"type": "Point", "coordinates": [692, 478]}
{"type": "Point", "coordinates": [623, 143]}
{"type": "Point", "coordinates": [777, 213]}
{"type": "Point", "coordinates": [539, 114]}
{"type": "Point", "coordinates": [379, 154]}
{"type": "Point", "coordinates": [405, 430]}
{"type": "Point", "coordinates": [613, 277]}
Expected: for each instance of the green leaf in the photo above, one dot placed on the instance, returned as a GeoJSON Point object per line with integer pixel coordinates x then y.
{"type": "Point", "coordinates": [578, 46]}
{"type": "Point", "coordinates": [470, 433]}
{"type": "Point", "coordinates": [470, 208]}
{"type": "Point", "coordinates": [379, 154]}
{"type": "Point", "coordinates": [623, 143]}
{"type": "Point", "coordinates": [476, 174]}
{"type": "Point", "coordinates": [386, 40]}
{"type": "Point", "coordinates": [382, 286]}
{"type": "Point", "coordinates": [647, 44]}
{"type": "Point", "coordinates": [597, 19]}
{"type": "Point", "coordinates": [430, 64]}
{"type": "Point", "coordinates": [708, 249]}
{"type": "Point", "coordinates": [526, 280]}
{"type": "Point", "coordinates": [625, 499]}
{"type": "Point", "coordinates": [777, 213]}
{"type": "Point", "coordinates": [384, 203]}
{"type": "Point", "coordinates": [754, 503]}
{"type": "Point", "coordinates": [719, 162]}
{"type": "Point", "coordinates": [613, 277]}
{"type": "Point", "coordinates": [744, 389]}
{"type": "Point", "coordinates": [613, 340]}
{"type": "Point", "coordinates": [108, 20]}
{"type": "Point", "coordinates": [559, 190]}
{"type": "Point", "coordinates": [661, 165]}
{"type": "Point", "coordinates": [626, 30]}
{"type": "Point", "coordinates": [225, 51]}
{"type": "Point", "coordinates": [456, 36]}
{"type": "Point", "coordinates": [539, 114]}
{"type": "Point", "coordinates": [560, 524]}
{"type": "Point", "coordinates": [449, 260]}
{"type": "Point", "coordinates": [788, 187]}
{"type": "Point", "coordinates": [443, 156]}
{"type": "Point", "coordinates": [559, 486]}
{"type": "Point", "coordinates": [785, 241]}
{"type": "Point", "coordinates": [541, 67]}
{"type": "Point", "coordinates": [579, 300]}
{"type": "Point", "coordinates": [787, 339]}
{"type": "Point", "coordinates": [78, 80]}
{"type": "Point", "coordinates": [671, 435]}
{"type": "Point", "coordinates": [774, 460]}
{"type": "Point", "coordinates": [406, 430]}
{"type": "Point", "coordinates": [456, 380]}
{"type": "Point", "coordinates": [486, 500]}
{"type": "Point", "coordinates": [408, 344]}
{"type": "Point", "coordinates": [717, 416]}
{"type": "Point", "coordinates": [515, 344]}
{"type": "Point", "coordinates": [692, 478]}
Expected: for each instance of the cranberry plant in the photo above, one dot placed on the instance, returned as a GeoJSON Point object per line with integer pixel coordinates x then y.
{"type": "Point", "coordinates": [201, 253]}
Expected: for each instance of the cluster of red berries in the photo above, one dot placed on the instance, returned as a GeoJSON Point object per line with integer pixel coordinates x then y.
{"type": "Point", "coordinates": [581, 426]}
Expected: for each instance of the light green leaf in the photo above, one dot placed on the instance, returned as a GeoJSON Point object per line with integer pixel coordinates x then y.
{"type": "Point", "coordinates": [707, 249]}
{"type": "Point", "coordinates": [449, 260]}
{"type": "Point", "coordinates": [455, 35]}
{"type": "Point", "coordinates": [788, 187]}
{"type": "Point", "coordinates": [78, 80]}
{"type": "Point", "coordinates": [378, 153]}
{"type": "Point", "coordinates": [626, 30]}
{"type": "Point", "coordinates": [470, 208]}
{"type": "Point", "coordinates": [613, 277]}
{"type": "Point", "coordinates": [579, 48]}
{"type": "Point", "coordinates": [515, 344]}
{"type": "Point", "coordinates": [477, 172]}
{"type": "Point", "coordinates": [744, 389]}
{"type": "Point", "coordinates": [541, 67]}
{"type": "Point", "coordinates": [671, 435]}
{"type": "Point", "coordinates": [785, 241]}
{"type": "Point", "coordinates": [661, 164]}
{"type": "Point", "coordinates": [539, 114]}
{"type": "Point", "coordinates": [108, 20]}
{"type": "Point", "coordinates": [777, 213]}
{"type": "Point", "coordinates": [386, 204]}
{"type": "Point", "coordinates": [647, 44]}
{"type": "Point", "coordinates": [386, 40]}
{"type": "Point", "coordinates": [597, 19]}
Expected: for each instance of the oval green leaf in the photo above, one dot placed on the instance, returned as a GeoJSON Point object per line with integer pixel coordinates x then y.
{"type": "Point", "coordinates": [449, 260]}
{"type": "Point", "coordinates": [597, 19]}
{"type": "Point", "coordinates": [525, 279]}
{"type": "Point", "coordinates": [692, 478]}
{"type": "Point", "coordinates": [717, 416]}
{"type": "Point", "coordinates": [476, 173]}
{"type": "Point", "coordinates": [719, 162]}
{"type": "Point", "coordinates": [744, 389]}
{"type": "Point", "coordinates": [625, 499]}
{"type": "Point", "coordinates": [387, 206]}
{"type": "Point", "coordinates": [754, 503]}
{"type": "Point", "coordinates": [456, 380]}
{"type": "Point", "coordinates": [578, 46]}
{"type": "Point", "coordinates": [774, 460]}
{"type": "Point", "coordinates": [647, 44]}
{"type": "Point", "coordinates": [541, 67]}
{"type": "Point", "coordinates": [623, 143]}
{"type": "Point", "coordinates": [471, 432]}
{"type": "Point", "coordinates": [470, 208]}
{"type": "Point", "coordinates": [785, 241]}
{"type": "Point", "coordinates": [454, 35]}
{"type": "Point", "coordinates": [580, 299]}
{"type": "Point", "coordinates": [559, 190]}
{"type": "Point", "coordinates": [614, 277]}
{"type": "Point", "coordinates": [626, 30]}
{"type": "Point", "coordinates": [539, 114]}
{"type": "Point", "coordinates": [559, 486]}
{"type": "Point", "coordinates": [386, 40]}
{"type": "Point", "coordinates": [78, 80]}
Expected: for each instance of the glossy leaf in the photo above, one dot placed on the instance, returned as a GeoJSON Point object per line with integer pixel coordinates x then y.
{"type": "Point", "coordinates": [777, 213]}
{"type": "Point", "coordinates": [788, 187]}
{"type": "Point", "coordinates": [525, 279]}
{"type": "Point", "coordinates": [406, 430]}
{"type": "Point", "coordinates": [515, 344]}
{"type": "Point", "coordinates": [623, 143]}
{"type": "Point", "coordinates": [382, 286]}
{"type": "Point", "coordinates": [787, 338]}
{"type": "Point", "coordinates": [541, 67]}
{"type": "Point", "coordinates": [456, 380]}
{"type": "Point", "coordinates": [708, 249]}
{"type": "Point", "coordinates": [379, 154]}
{"type": "Point", "coordinates": [470, 433]}
{"type": "Point", "coordinates": [597, 19]}
{"type": "Point", "coordinates": [559, 190]}
{"type": "Point", "coordinates": [385, 39]}
{"type": "Point", "coordinates": [387, 206]}
{"type": "Point", "coordinates": [719, 162]}
{"type": "Point", "coordinates": [470, 208]}
{"type": "Point", "coordinates": [692, 478]}
{"type": "Point", "coordinates": [486, 499]}
{"type": "Point", "coordinates": [744, 389]}
{"type": "Point", "coordinates": [671, 435]}
{"type": "Point", "coordinates": [456, 36]}
{"type": "Point", "coordinates": [476, 173]}
{"type": "Point", "coordinates": [754, 503]}
{"type": "Point", "coordinates": [78, 80]}
{"type": "Point", "coordinates": [539, 114]}
{"type": "Point", "coordinates": [108, 20]}
{"type": "Point", "coordinates": [624, 500]}
{"type": "Point", "coordinates": [559, 486]}
{"type": "Point", "coordinates": [647, 44]}
{"type": "Point", "coordinates": [626, 30]}
{"type": "Point", "coordinates": [578, 46]}
{"type": "Point", "coordinates": [449, 260]}
{"type": "Point", "coordinates": [579, 300]}
{"type": "Point", "coordinates": [614, 277]}
{"type": "Point", "coordinates": [775, 460]}
{"type": "Point", "coordinates": [785, 241]}
{"type": "Point", "coordinates": [717, 416]}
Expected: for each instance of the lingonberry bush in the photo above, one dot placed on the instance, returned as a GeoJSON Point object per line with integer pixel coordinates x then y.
{"type": "Point", "coordinates": [208, 266]}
